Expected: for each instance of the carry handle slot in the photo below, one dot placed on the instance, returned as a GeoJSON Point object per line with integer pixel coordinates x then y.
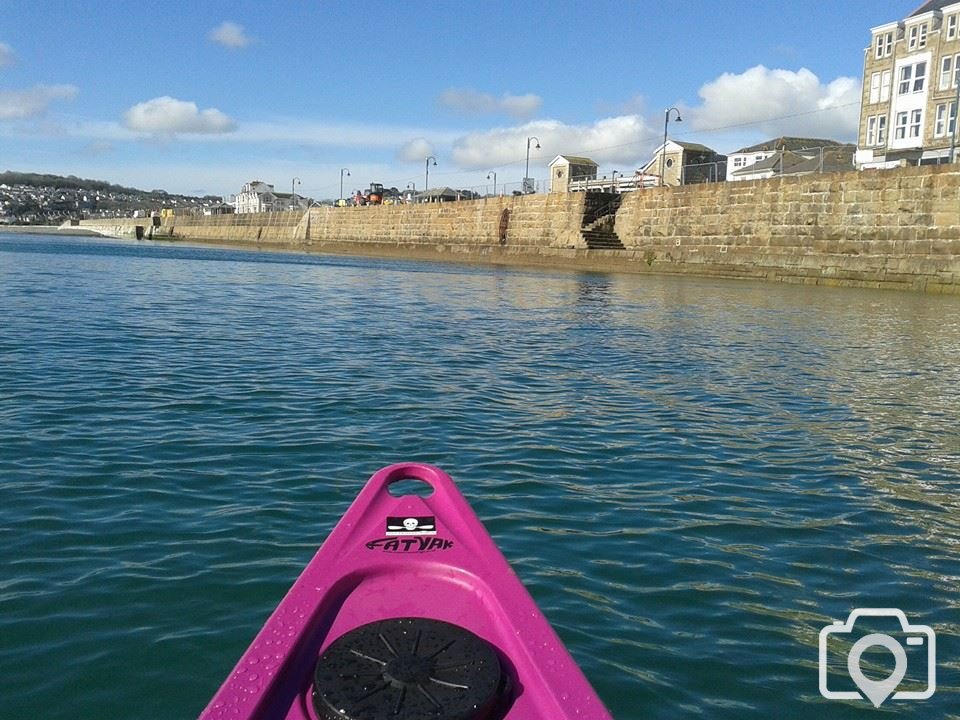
{"type": "Point", "coordinates": [411, 478]}
{"type": "Point", "coordinates": [402, 487]}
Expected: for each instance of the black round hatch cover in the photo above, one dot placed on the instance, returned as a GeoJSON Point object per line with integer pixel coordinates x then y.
{"type": "Point", "coordinates": [408, 669]}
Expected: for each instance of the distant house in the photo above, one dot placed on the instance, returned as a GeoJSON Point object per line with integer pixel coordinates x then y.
{"type": "Point", "coordinates": [440, 194]}
{"type": "Point", "coordinates": [787, 162]}
{"type": "Point", "coordinates": [219, 209]}
{"type": "Point", "coordinates": [257, 196]}
{"type": "Point", "coordinates": [567, 168]}
{"type": "Point", "coordinates": [745, 157]}
{"type": "Point", "coordinates": [685, 163]}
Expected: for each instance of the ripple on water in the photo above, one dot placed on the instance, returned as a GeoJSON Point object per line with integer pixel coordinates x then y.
{"type": "Point", "coordinates": [691, 477]}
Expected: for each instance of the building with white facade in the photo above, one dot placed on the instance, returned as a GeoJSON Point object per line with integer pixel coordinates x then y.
{"type": "Point", "coordinates": [257, 196]}
{"type": "Point", "coordinates": [908, 111]}
{"type": "Point", "coordinates": [739, 161]}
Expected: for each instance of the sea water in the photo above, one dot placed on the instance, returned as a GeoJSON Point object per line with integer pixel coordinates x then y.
{"type": "Point", "coordinates": [692, 477]}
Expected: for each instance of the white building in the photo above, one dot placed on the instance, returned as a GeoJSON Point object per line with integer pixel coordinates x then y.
{"type": "Point", "coordinates": [257, 197]}
{"type": "Point", "coordinates": [738, 161]}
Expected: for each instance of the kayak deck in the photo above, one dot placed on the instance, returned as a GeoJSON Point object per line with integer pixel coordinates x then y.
{"type": "Point", "coordinates": [406, 557]}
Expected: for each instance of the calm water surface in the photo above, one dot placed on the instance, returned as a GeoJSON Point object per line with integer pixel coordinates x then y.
{"type": "Point", "coordinates": [691, 477]}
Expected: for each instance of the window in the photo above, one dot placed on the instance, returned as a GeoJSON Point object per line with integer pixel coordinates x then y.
{"type": "Point", "coordinates": [900, 130]}
{"type": "Point", "coordinates": [951, 27]}
{"type": "Point", "coordinates": [946, 122]}
{"type": "Point", "coordinates": [876, 130]}
{"type": "Point", "coordinates": [884, 45]}
{"type": "Point", "coordinates": [919, 75]}
{"type": "Point", "coordinates": [912, 78]}
{"type": "Point", "coordinates": [946, 71]}
{"type": "Point", "coordinates": [922, 43]}
{"type": "Point", "coordinates": [885, 81]}
{"type": "Point", "coordinates": [915, 117]}
{"type": "Point", "coordinates": [875, 86]}
{"type": "Point", "coordinates": [906, 72]}
{"type": "Point", "coordinates": [914, 36]}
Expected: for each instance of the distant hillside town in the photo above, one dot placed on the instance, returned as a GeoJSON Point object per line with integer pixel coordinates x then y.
{"type": "Point", "coordinates": [35, 199]}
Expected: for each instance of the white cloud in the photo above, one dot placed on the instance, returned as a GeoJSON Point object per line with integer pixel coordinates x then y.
{"type": "Point", "coordinates": [230, 35]}
{"type": "Point", "coordinates": [779, 102]}
{"type": "Point", "coordinates": [624, 139]}
{"type": "Point", "coordinates": [32, 102]}
{"type": "Point", "coordinates": [472, 102]}
{"type": "Point", "coordinates": [168, 116]}
{"type": "Point", "coordinates": [7, 56]}
{"type": "Point", "coordinates": [415, 151]}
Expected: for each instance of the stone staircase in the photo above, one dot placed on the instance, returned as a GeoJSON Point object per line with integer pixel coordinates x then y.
{"type": "Point", "coordinates": [599, 218]}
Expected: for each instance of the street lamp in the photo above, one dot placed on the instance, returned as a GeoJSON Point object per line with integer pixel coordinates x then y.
{"type": "Point", "coordinates": [293, 193]}
{"type": "Point", "coordinates": [613, 176]}
{"type": "Point", "coordinates": [342, 172]}
{"type": "Point", "coordinates": [494, 180]}
{"type": "Point", "coordinates": [526, 172]}
{"type": "Point", "coordinates": [426, 184]}
{"type": "Point", "coordinates": [663, 150]}
{"type": "Point", "coordinates": [412, 186]}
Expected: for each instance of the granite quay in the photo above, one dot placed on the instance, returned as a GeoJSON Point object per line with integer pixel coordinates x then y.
{"type": "Point", "coordinates": [897, 229]}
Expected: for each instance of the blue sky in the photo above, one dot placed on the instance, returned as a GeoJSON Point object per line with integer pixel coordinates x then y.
{"type": "Point", "coordinates": [201, 97]}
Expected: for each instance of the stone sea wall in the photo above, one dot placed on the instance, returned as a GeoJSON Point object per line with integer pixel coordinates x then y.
{"type": "Point", "coordinates": [891, 229]}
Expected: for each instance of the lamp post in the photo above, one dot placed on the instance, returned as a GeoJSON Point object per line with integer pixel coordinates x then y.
{"type": "Point", "coordinates": [426, 183]}
{"type": "Point", "coordinates": [613, 177]}
{"type": "Point", "coordinates": [663, 150]}
{"type": "Point", "coordinates": [293, 193]}
{"type": "Point", "coordinates": [526, 172]}
{"type": "Point", "coordinates": [494, 180]}
{"type": "Point", "coordinates": [342, 172]}
{"type": "Point", "coordinates": [412, 186]}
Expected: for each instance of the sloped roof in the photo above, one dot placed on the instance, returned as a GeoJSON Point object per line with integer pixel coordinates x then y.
{"type": "Point", "coordinates": [930, 6]}
{"type": "Point", "coordinates": [834, 160]}
{"type": "Point", "coordinates": [685, 146]}
{"type": "Point", "coordinates": [791, 161]}
{"type": "Point", "coordinates": [693, 147]}
{"type": "Point", "coordinates": [789, 143]}
{"type": "Point", "coordinates": [573, 160]}
{"type": "Point", "coordinates": [438, 192]}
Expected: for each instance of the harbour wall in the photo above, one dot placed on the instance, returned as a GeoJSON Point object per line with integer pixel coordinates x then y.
{"type": "Point", "coordinates": [891, 229]}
